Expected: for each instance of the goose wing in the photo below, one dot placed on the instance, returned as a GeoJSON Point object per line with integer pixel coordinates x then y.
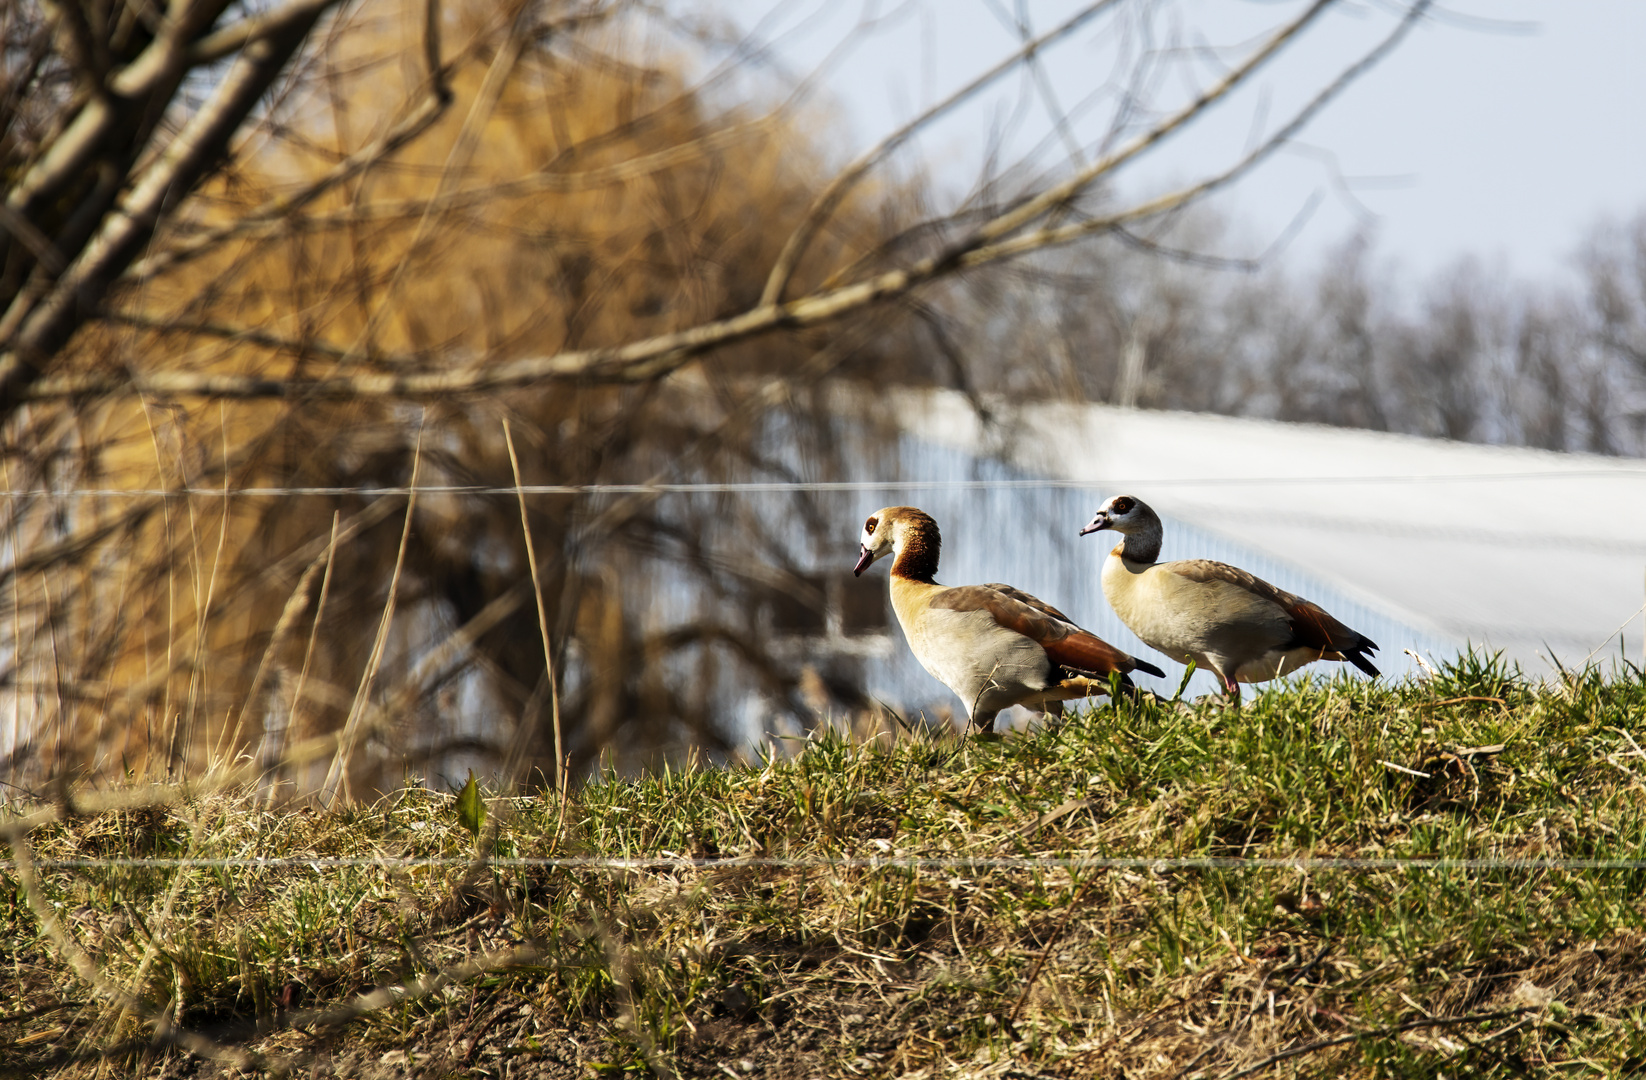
{"type": "Point", "coordinates": [1066, 645]}
{"type": "Point", "coordinates": [1312, 626]}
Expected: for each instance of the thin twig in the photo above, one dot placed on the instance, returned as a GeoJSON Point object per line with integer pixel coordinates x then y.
{"type": "Point", "coordinates": [1394, 1029]}
{"type": "Point", "coordinates": [1039, 962]}
{"type": "Point", "coordinates": [457, 159]}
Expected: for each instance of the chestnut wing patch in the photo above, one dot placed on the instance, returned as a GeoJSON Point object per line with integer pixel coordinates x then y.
{"type": "Point", "coordinates": [1067, 645]}
{"type": "Point", "coordinates": [1313, 626]}
{"type": "Point", "coordinates": [1024, 598]}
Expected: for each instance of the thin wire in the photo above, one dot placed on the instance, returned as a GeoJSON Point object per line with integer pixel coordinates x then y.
{"type": "Point", "coordinates": [816, 485]}
{"type": "Point", "coordinates": [666, 862]}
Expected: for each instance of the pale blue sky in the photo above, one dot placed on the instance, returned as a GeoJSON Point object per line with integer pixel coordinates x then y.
{"type": "Point", "coordinates": [1500, 128]}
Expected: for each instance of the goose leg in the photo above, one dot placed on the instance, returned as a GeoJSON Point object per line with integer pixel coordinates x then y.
{"type": "Point", "coordinates": [1051, 714]}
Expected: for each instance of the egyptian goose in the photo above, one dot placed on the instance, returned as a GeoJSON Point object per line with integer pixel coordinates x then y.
{"type": "Point", "coordinates": [1238, 626]}
{"type": "Point", "coordinates": [993, 645]}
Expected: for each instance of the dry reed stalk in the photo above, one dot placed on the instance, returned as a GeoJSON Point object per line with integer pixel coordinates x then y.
{"type": "Point", "coordinates": [542, 622]}
{"type": "Point", "coordinates": [296, 605]}
{"type": "Point", "coordinates": [292, 713]}
{"type": "Point", "coordinates": [337, 775]}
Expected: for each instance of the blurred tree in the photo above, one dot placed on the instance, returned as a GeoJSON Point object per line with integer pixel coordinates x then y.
{"type": "Point", "coordinates": [415, 256]}
{"type": "Point", "coordinates": [1466, 354]}
{"type": "Point", "coordinates": [574, 199]}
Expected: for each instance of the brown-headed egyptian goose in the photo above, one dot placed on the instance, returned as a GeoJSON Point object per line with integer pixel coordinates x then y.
{"type": "Point", "coordinates": [1238, 626]}
{"type": "Point", "coordinates": [993, 645]}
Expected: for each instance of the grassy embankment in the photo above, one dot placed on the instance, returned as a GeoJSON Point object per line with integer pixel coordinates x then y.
{"type": "Point", "coordinates": [969, 968]}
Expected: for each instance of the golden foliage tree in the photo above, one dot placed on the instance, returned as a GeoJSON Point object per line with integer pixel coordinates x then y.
{"type": "Point", "coordinates": [571, 198]}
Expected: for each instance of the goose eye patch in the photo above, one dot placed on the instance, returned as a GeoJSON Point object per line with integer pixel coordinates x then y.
{"type": "Point", "coordinates": [870, 525]}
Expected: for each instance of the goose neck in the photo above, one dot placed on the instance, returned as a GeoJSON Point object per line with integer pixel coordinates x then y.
{"type": "Point", "coordinates": [916, 553]}
{"type": "Point", "coordinates": [1142, 544]}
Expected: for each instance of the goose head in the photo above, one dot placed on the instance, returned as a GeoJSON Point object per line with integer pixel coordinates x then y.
{"type": "Point", "coordinates": [1123, 514]}
{"type": "Point", "coordinates": [1132, 518]}
{"type": "Point", "coordinates": [889, 530]}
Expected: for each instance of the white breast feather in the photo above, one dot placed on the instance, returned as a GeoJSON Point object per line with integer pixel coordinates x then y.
{"type": "Point", "coordinates": [976, 657]}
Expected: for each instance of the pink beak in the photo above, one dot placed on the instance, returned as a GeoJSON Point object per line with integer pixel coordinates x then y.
{"type": "Point", "coordinates": [864, 558]}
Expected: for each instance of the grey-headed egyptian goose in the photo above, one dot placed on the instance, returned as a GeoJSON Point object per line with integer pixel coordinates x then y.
{"type": "Point", "coordinates": [993, 645]}
{"type": "Point", "coordinates": [1233, 624]}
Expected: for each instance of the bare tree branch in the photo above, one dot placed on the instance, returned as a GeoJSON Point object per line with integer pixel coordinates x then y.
{"type": "Point", "coordinates": [40, 322]}
{"type": "Point", "coordinates": [651, 358]}
{"type": "Point", "coordinates": [231, 39]}
{"type": "Point", "coordinates": [280, 212]}
{"type": "Point", "coordinates": [830, 198]}
{"type": "Point", "coordinates": [1053, 236]}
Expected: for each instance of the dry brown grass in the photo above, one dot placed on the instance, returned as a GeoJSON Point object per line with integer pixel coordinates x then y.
{"type": "Point", "coordinates": [907, 906]}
